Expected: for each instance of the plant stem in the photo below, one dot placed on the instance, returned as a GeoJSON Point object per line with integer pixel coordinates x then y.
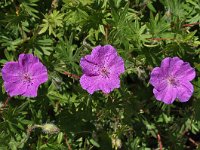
{"type": "Point", "coordinates": [6, 102]}
{"type": "Point", "coordinates": [159, 141]}
{"type": "Point", "coordinates": [74, 76]}
{"type": "Point", "coordinates": [66, 140]}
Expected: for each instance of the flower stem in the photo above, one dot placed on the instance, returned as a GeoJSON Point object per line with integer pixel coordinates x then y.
{"type": "Point", "coordinates": [4, 105]}
{"type": "Point", "coordinates": [6, 102]}
{"type": "Point", "coordinates": [191, 24]}
{"type": "Point", "coordinates": [66, 140]}
{"type": "Point", "coordinates": [159, 141]}
{"type": "Point", "coordinates": [74, 76]}
{"type": "Point", "coordinates": [160, 39]}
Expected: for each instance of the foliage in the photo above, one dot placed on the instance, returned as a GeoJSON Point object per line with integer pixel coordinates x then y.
{"type": "Point", "coordinates": [60, 32]}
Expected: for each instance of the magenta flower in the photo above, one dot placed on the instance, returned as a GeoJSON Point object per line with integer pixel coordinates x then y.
{"type": "Point", "coordinates": [24, 76]}
{"type": "Point", "coordinates": [172, 80]}
{"type": "Point", "coordinates": [101, 70]}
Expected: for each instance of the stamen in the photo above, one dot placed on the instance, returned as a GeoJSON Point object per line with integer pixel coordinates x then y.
{"type": "Point", "coordinates": [172, 81]}
{"type": "Point", "coordinates": [104, 72]}
{"type": "Point", "coordinates": [27, 78]}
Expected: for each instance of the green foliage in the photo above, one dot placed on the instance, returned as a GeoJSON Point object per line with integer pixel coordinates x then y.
{"type": "Point", "coordinates": [63, 115]}
{"type": "Point", "coordinates": [52, 21]}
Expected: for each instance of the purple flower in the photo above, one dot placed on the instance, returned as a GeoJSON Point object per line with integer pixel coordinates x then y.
{"type": "Point", "coordinates": [24, 76]}
{"type": "Point", "coordinates": [101, 70]}
{"type": "Point", "coordinates": [172, 80]}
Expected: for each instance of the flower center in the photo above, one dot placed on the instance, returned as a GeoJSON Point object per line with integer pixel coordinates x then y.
{"type": "Point", "coordinates": [104, 72]}
{"type": "Point", "coordinates": [27, 78]}
{"type": "Point", "coordinates": [172, 81]}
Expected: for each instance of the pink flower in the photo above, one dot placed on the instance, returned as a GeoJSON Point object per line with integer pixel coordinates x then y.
{"type": "Point", "coordinates": [172, 80]}
{"type": "Point", "coordinates": [24, 76]}
{"type": "Point", "coordinates": [101, 70]}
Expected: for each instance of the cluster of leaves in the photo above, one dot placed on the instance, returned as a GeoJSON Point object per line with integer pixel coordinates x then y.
{"type": "Point", "coordinates": [60, 32]}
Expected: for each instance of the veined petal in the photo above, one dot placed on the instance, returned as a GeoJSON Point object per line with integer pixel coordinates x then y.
{"type": "Point", "coordinates": [186, 72]}
{"type": "Point", "coordinates": [102, 55]}
{"type": "Point", "coordinates": [170, 65]}
{"type": "Point", "coordinates": [11, 71]}
{"type": "Point", "coordinates": [175, 64]}
{"type": "Point", "coordinates": [94, 56]}
{"type": "Point", "coordinates": [116, 66]}
{"type": "Point", "coordinates": [165, 65]}
{"type": "Point", "coordinates": [89, 68]}
{"type": "Point", "coordinates": [96, 83]}
{"type": "Point", "coordinates": [185, 91]}
{"type": "Point", "coordinates": [15, 88]}
{"type": "Point", "coordinates": [27, 60]}
{"type": "Point", "coordinates": [31, 90]}
{"type": "Point", "coordinates": [37, 69]}
{"type": "Point", "coordinates": [167, 95]}
{"type": "Point", "coordinates": [162, 85]}
{"type": "Point", "coordinates": [90, 83]}
{"type": "Point", "coordinates": [109, 84]}
{"type": "Point", "coordinates": [108, 53]}
{"type": "Point", "coordinates": [156, 76]}
{"type": "Point", "coordinates": [39, 79]}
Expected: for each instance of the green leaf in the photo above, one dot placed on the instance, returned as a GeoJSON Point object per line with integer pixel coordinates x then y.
{"type": "Point", "coordinates": [150, 6]}
{"type": "Point", "coordinates": [93, 142]}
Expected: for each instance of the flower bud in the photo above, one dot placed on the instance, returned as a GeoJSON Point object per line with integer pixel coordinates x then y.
{"type": "Point", "coordinates": [50, 128]}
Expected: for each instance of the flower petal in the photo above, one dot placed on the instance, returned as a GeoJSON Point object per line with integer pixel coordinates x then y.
{"type": "Point", "coordinates": [31, 90]}
{"type": "Point", "coordinates": [108, 53]}
{"type": "Point", "coordinates": [116, 66]}
{"type": "Point", "coordinates": [167, 95]}
{"type": "Point", "coordinates": [162, 85]}
{"type": "Point", "coordinates": [186, 72]}
{"type": "Point", "coordinates": [175, 64]}
{"type": "Point", "coordinates": [39, 79]}
{"type": "Point", "coordinates": [11, 72]}
{"type": "Point", "coordinates": [185, 91]}
{"type": "Point", "coordinates": [89, 68]}
{"type": "Point", "coordinates": [94, 57]}
{"type": "Point", "coordinates": [102, 54]}
{"type": "Point", "coordinates": [27, 60]}
{"type": "Point", "coordinates": [95, 83]}
{"type": "Point", "coordinates": [39, 73]}
{"type": "Point", "coordinates": [156, 76]}
{"type": "Point", "coordinates": [109, 84]}
{"type": "Point", "coordinates": [169, 65]}
{"type": "Point", "coordinates": [90, 83]}
{"type": "Point", "coordinates": [165, 64]}
{"type": "Point", "coordinates": [15, 88]}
